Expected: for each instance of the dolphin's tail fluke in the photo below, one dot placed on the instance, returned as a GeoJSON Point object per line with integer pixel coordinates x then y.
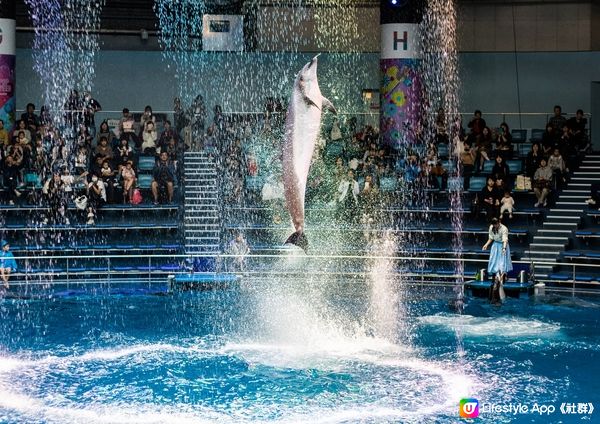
{"type": "Point", "coordinates": [299, 239]}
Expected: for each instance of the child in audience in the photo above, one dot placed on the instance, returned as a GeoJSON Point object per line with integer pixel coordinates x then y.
{"type": "Point", "coordinates": [507, 204]}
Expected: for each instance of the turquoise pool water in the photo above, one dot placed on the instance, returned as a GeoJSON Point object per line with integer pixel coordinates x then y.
{"type": "Point", "coordinates": [262, 354]}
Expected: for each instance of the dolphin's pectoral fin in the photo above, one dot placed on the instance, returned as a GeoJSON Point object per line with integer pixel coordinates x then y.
{"type": "Point", "coordinates": [310, 102]}
{"type": "Point", "coordinates": [328, 105]}
{"type": "Point", "coordinates": [299, 239]}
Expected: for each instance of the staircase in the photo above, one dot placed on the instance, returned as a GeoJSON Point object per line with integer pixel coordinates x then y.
{"type": "Point", "coordinates": [564, 218]}
{"type": "Point", "coordinates": [202, 220]}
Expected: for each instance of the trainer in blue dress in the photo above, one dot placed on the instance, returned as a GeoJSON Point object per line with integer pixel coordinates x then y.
{"type": "Point", "coordinates": [499, 261]}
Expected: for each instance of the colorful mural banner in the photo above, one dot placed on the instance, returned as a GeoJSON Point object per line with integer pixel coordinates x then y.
{"type": "Point", "coordinates": [7, 72]}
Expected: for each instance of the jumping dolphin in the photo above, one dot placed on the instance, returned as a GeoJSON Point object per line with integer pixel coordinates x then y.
{"type": "Point", "coordinates": [302, 125]}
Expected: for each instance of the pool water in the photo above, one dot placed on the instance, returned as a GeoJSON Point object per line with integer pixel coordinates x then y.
{"type": "Point", "coordinates": [249, 354]}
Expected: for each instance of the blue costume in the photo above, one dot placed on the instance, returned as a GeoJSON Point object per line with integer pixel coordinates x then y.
{"type": "Point", "coordinates": [499, 261]}
{"type": "Point", "coordinates": [7, 259]}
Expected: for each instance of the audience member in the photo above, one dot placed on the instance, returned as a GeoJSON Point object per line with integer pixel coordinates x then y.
{"type": "Point", "coordinates": [542, 180]}
{"type": "Point", "coordinates": [163, 177]}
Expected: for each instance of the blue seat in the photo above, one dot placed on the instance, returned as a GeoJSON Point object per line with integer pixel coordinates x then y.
{"type": "Point", "coordinates": [488, 165]}
{"type": "Point", "coordinates": [537, 134]}
{"type": "Point", "coordinates": [15, 226]}
{"type": "Point", "coordinates": [583, 233]}
{"type": "Point", "coordinates": [571, 254]}
{"type": "Point", "coordinates": [124, 246]}
{"type": "Point", "coordinates": [76, 269]}
{"type": "Point", "coordinates": [476, 184]}
{"type": "Point", "coordinates": [519, 231]}
{"type": "Point", "coordinates": [144, 181]}
{"type": "Point", "coordinates": [515, 166]}
{"type": "Point", "coordinates": [101, 247]}
{"type": "Point", "coordinates": [456, 184]}
{"type": "Point", "coordinates": [146, 163]}
{"type": "Point", "coordinates": [147, 246]}
{"type": "Point", "coordinates": [559, 277]}
{"type": "Point", "coordinates": [147, 268]}
{"type": "Point", "coordinates": [442, 150]}
{"type": "Point", "coordinates": [584, 278]}
{"type": "Point", "coordinates": [438, 249]}
{"type": "Point", "coordinates": [519, 135]}
{"type": "Point", "coordinates": [171, 246]}
{"type": "Point", "coordinates": [593, 255]}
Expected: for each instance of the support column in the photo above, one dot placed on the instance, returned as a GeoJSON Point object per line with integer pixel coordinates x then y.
{"type": "Point", "coordinates": [7, 62]}
{"type": "Point", "coordinates": [401, 93]}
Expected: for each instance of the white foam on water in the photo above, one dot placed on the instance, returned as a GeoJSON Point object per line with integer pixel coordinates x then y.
{"type": "Point", "coordinates": [503, 326]}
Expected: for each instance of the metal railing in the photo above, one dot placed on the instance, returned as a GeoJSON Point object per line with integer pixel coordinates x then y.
{"type": "Point", "coordinates": [65, 268]}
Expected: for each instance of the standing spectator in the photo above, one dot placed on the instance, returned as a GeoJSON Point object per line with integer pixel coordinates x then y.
{"type": "Point", "coordinates": [198, 114]}
{"type": "Point", "coordinates": [348, 191]}
{"type": "Point", "coordinates": [542, 180]}
{"type": "Point", "coordinates": [12, 166]}
{"type": "Point", "coordinates": [238, 248]}
{"type": "Point", "coordinates": [179, 116]}
{"type": "Point", "coordinates": [163, 177]}
{"type": "Point", "coordinates": [499, 262]}
{"type": "Point", "coordinates": [558, 120]}
{"type": "Point", "coordinates": [90, 107]}
{"type": "Point", "coordinates": [476, 124]}
{"type": "Point", "coordinates": [550, 139]}
{"type": "Point", "coordinates": [484, 144]}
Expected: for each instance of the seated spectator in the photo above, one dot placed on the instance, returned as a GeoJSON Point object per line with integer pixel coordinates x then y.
{"type": "Point", "coordinates": [504, 142]}
{"type": "Point", "coordinates": [104, 150]}
{"type": "Point", "coordinates": [557, 164]}
{"type": "Point", "coordinates": [123, 154]}
{"type": "Point", "coordinates": [549, 139]}
{"type": "Point", "coordinates": [532, 162]}
{"type": "Point", "coordinates": [107, 175]}
{"type": "Point", "coordinates": [484, 147]}
{"type": "Point", "coordinates": [558, 120]}
{"type": "Point", "coordinates": [147, 116]}
{"type": "Point", "coordinates": [32, 121]}
{"type": "Point", "coordinates": [167, 134]}
{"type": "Point", "coordinates": [82, 159]}
{"type": "Point", "coordinates": [90, 106]}
{"type": "Point", "coordinates": [127, 128]}
{"type": "Point", "coordinates": [84, 139]}
{"type": "Point", "coordinates": [163, 177]}
{"type": "Point", "coordinates": [490, 199]}
{"type": "Point", "coordinates": [149, 139]}
{"type": "Point", "coordinates": [577, 126]}
{"type": "Point", "coordinates": [507, 204]}
{"type": "Point", "coordinates": [22, 127]}
{"type": "Point", "coordinates": [7, 263]}
{"type": "Point", "coordinates": [60, 153]}
{"type": "Point", "coordinates": [173, 150]}
{"type": "Point", "coordinates": [128, 176]}
{"type": "Point", "coordinates": [594, 195]}
{"type": "Point", "coordinates": [4, 138]}
{"type": "Point", "coordinates": [252, 165]}
{"type": "Point", "coordinates": [96, 166]}
{"type": "Point", "coordinates": [542, 182]}
{"type": "Point", "coordinates": [500, 169]}
{"type": "Point", "coordinates": [12, 167]}
{"type": "Point", "coordinates": [441, 135]}
{"type": "Point", "coordinates": [96, 198]}
{"type": "Point", "coordinates": [56, 198]}
{"type": "Point", "coordinates": [40, 159]}
{"type": "Point", "coordinates": [68, 180]}
{"type": "Point", "coordinates": [467, 160]}
{"type": "Point", "coordinates": [103, 132]}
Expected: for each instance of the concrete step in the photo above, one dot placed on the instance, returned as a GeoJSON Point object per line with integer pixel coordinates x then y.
{"type": "Point", "coordinates": [575, 191]}
{"type": "Point", "coordinates": [554, 231]}
{"type": "Point", "coordinates": [555, 217]}
{"type": "Point", "coordinates": [544, 238]}
{"type": "Point", "coordinates": [567, 203]}
{"type": "Point", "coordinates": [581, 185]}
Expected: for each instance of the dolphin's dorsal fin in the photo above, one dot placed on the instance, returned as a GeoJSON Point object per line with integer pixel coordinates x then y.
{"type": "Point", "coordinates": [326, 104]}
